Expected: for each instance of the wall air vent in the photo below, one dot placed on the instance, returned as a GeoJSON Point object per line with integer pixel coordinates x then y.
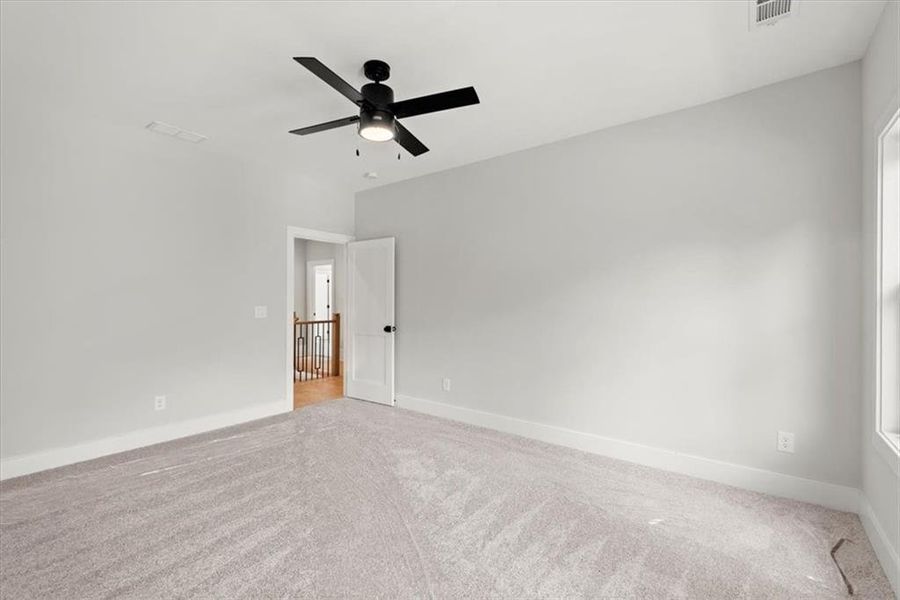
{"type": "Point", "coordinates": [176, 132]}
{"type": "Point", "coordinates": [768, 12]}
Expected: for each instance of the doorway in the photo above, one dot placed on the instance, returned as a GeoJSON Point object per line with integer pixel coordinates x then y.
{"type": "Point", "coordinates": [316, 297]}
{"type": "Point", "coordinates": [320, 286]}
{"type": "Point", "coordinates": [317, 331]}
{"type": "Point", "coordinates": [351, 285]}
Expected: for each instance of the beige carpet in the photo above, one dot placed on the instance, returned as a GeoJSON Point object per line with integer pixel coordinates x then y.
{"type": "Point", "coordinates": [351, 500]}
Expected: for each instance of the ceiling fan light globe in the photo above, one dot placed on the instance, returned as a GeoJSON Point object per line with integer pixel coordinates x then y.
{"type": "Point", "coordinates": [376, 126]}
{"type": "Point", "coordinates": [376, 134]}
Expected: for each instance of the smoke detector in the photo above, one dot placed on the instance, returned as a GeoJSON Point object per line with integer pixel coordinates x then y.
{"type": "Point", "coordinates": [769, 12]}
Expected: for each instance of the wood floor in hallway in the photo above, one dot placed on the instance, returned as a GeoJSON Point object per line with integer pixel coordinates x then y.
{"type": "Point", "coordinates": [317, 390]}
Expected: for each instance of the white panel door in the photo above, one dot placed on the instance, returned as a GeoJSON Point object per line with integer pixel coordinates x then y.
{"type": "Point", "coordinates": [370, 327]}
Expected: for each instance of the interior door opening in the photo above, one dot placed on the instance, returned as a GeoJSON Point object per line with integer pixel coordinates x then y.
{"type": "Point", "coordinates": [320, 284]}
{"type": "Point", "coordinates": [340, 334]}
{"type": "Point", "coordinates": [317, 332]}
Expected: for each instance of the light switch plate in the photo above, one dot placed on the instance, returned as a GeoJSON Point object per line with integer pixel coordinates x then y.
{"type": "Point", "coordinates": [260, 312]}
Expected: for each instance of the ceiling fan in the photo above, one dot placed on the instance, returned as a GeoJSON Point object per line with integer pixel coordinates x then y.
{"type": "Point", "coordinates": [378, 113]}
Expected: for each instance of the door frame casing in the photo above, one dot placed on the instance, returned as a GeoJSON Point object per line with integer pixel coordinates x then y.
{"type": "Point", "coordinates": [316, 235]}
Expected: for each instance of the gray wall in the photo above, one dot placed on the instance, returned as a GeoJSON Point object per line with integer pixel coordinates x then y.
{"type": "Point", "coordinates": [131, 263]}
{"type": "Point", "coordinates": [880, 93]}
{"type": "Point", "coordinates": [687, 282]}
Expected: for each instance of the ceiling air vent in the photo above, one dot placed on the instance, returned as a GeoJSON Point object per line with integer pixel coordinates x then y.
{"type": "Point", "coordinates": [176, 132]}
{"type": "Point", "coordinates": [767, 12]}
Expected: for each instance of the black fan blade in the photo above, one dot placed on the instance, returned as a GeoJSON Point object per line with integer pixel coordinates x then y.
{"type": "Point", "coordinates": [330, 77]}
{"type": "Point", "coordinates": [325, 126]}
{"type": "Point", "coordinates": [409, 142]}
{"type": "Point", "coordinates": [435, 102]}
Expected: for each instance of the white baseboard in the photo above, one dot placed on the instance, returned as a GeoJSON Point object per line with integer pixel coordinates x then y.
{"type": "Point", "coordinates": [15, 466]}
{"type": "Point", "coordinates": [831, 495]}
{"type": "Point", "coordinates": [887, 555]}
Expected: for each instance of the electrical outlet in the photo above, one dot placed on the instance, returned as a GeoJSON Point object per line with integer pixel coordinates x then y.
{"type": "Point", "coordinates": [785, 442]}
{"type": "Point", "coordinates": [159, 403]}
{"type": "Point", "coordinates": [445, 383]}
{"type": "Point", "coordinates": [260, 312]}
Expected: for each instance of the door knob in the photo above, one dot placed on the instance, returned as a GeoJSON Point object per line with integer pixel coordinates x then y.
{"type": "Point", "coordinates": [389, 329]}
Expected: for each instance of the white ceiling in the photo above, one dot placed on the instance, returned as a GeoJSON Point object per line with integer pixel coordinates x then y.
{"type": "Point", "coordinates": [544, 71]}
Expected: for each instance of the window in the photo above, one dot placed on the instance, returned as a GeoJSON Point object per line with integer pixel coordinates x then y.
{"type": "Point", "coordinates": [888, 281]}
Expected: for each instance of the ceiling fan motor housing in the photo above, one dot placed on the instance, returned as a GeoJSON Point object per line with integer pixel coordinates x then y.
{"type": "Point", "coordinates": [377, 94]}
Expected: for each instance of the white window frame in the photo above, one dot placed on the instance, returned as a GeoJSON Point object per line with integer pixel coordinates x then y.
{"type": "Point", "coordinates": [888, 444]}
